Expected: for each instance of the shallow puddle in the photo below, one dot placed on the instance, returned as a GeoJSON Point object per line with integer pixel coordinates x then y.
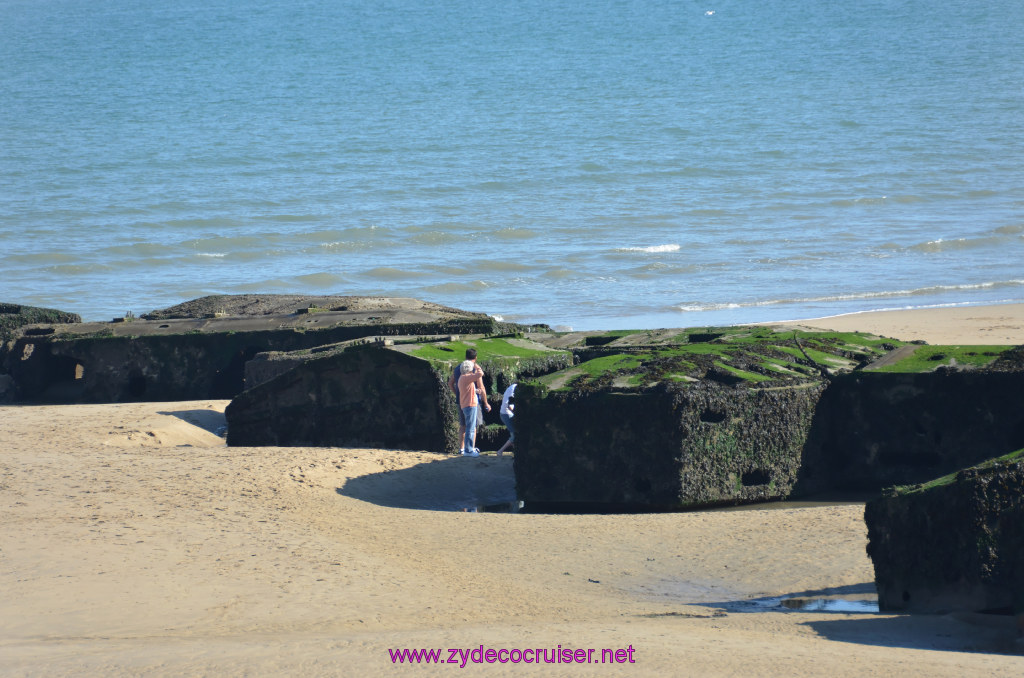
{"type": "Point", "coordinates": [861, 605]}
{"type": "Point", "coordinates": [614, 509]}
{"type": "Point", "coordinates": [504, 507]}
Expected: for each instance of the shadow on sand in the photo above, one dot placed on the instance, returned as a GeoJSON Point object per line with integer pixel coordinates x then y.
{"type": "Point", "coordinates": [484, 484]}
{"type": "Point", "coordinates": [948, 633]}
{"type": "Point", "coordinates": [856, 619]}
{"type": "Point", "coordinates": [208, 420]}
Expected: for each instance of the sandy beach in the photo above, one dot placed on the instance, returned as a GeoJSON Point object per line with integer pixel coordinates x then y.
{"type": "Point", "coordinates": [970, 325]}
{"type": "Point", "coordinates": [133, 541]}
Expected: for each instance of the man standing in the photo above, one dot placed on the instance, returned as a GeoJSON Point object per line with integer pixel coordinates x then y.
{"type": "Point", "coordinates": [453, 384]}
{"type": "Point", "coordinates": [471, 387]}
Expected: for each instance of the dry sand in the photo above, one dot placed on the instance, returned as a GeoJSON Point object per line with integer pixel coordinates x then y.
{"type": "Point", "coordinates": [973, 325]}
{"type": "Point", "coordinates": [134, 542]}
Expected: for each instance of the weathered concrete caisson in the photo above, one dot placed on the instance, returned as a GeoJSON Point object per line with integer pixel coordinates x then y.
{"type": "Point", "coordinates": [367, 397]}
{"type": "Point", "coordinates": [14, 317]}
{"type": "Point", "coordinates": [178, 357]}
{"type": "Point", "coordinates": [954, 544]}
{"type": "Point", "coordinates": [673, 419]}
{"type": "Point", "coordinates": [387, 394]}
{"type": "Point", "coordinates": [668, 418]}
{"type": "Point", "coordinates": [873, 430]}
{"type": "Point", "coordinates": [666, 447]}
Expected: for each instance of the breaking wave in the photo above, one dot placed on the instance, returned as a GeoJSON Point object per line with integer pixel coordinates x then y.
{"type": "Point", "coordinates": [653, 249]}
{"type": "Point", "coordinates": [694, 306]}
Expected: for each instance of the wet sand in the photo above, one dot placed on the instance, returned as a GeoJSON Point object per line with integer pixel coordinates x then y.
{"type": "Point", "coordinates": [134, 542]}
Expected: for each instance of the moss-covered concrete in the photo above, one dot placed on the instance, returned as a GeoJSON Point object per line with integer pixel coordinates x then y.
{"type": "Point", "coordinates": [665, 447]}
{"type": "Point", "coordinates": [371, 397]}
{"type": "Point", "coordinates": [955, 544]}
{"type": "Point", "coordinates": [189, 358]}
{"type": "Point", "coordinates": [927, 358]}
{"type": "Point", "coordinates": [504, 359]}
{"type": "Point", "coordinates": [16, 316]}
{"type": "Point", "coordinates": [15, 321]}
{"type": "Point", "coordinates": [665, 418]}
{"type": "Point", "coordinates": [734, 415]}
{"type": "Point", "coordinates": [867, 346]}
{"type": "Point", "coordinates": [291, 407]}
{"type": "Point", "coordinates": [225, 305]}
{"type": "Point", "coordinates": [757, 355]}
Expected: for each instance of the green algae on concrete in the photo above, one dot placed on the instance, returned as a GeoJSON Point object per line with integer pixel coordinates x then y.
{"type": "Point", "coordinates": [756, 355]}
{"type": "Point", "coordinates": [926, 358]}
{"type": "Point", "coordinates": [487, 348]}
{"type": "Point", "coordinates": [700, 417]}
{"type": "Point", "coordinates": [504, 359]}
{"type": "Point", "coordinates": [949, 478]}
{"type": "Point", "coordinates": [756, 413]}
{"type": "Point", "coordinates": [354, 393]}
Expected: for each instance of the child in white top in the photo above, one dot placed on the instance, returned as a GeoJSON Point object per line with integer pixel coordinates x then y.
{"type": "Point", "coordinates": [506, 412]}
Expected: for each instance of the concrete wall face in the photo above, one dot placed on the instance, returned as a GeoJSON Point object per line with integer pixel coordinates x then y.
{"type": "Point", "coordinates": [742, 445]}
{"type": "Point", "coordinates": [173, 366]}
{"type": "Point", "coordinates": [957, 547]}
{"type": "Point", "coordinates": [367, 397]}
{"type": "Point", "coordinates": [709, 443]}
{"type": "Point", "coordinates": [874, 430]}
{"type": "Point", "coordinates": [607, 448]}
{"type": "Point", "coordinates": [121, 369]}
{"type": "Point", "coordinates": [662, 448]}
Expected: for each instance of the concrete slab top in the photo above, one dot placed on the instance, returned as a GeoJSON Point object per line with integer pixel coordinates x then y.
{"type": "Point", "coordinates": [892, 357]}
{"type": "Point", "coordinates": [303, 321]}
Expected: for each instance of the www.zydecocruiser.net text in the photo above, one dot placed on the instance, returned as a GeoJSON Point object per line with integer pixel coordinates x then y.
{"type": "Point", "coordinates": [461, 656]}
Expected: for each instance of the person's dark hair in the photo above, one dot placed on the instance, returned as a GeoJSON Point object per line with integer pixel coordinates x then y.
{"type": "Point", "coordinates": [470, 354]}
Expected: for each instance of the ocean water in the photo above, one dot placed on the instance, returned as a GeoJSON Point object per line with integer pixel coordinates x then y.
{"type": "Point", "coordinates": [602, 164]}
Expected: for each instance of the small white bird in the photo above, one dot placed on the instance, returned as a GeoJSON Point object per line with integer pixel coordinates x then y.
{"type": "Point", "coordinates": [709, 12]}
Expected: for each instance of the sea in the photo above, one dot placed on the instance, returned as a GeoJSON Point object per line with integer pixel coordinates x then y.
{"type": "Point", "coordinates": [605, 164]}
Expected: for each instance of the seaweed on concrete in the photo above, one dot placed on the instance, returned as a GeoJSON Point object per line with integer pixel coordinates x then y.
{"type": "Point", "coordinates": [752, 355]}
{"type": "Point", "coordinates": [952, 544]}
{"type": "Point", "coordinates": [927, 358]}
{"type": "Point", "coordinates": [948, 479]}
{"type": "Point", "coordinates": [15, 316]}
